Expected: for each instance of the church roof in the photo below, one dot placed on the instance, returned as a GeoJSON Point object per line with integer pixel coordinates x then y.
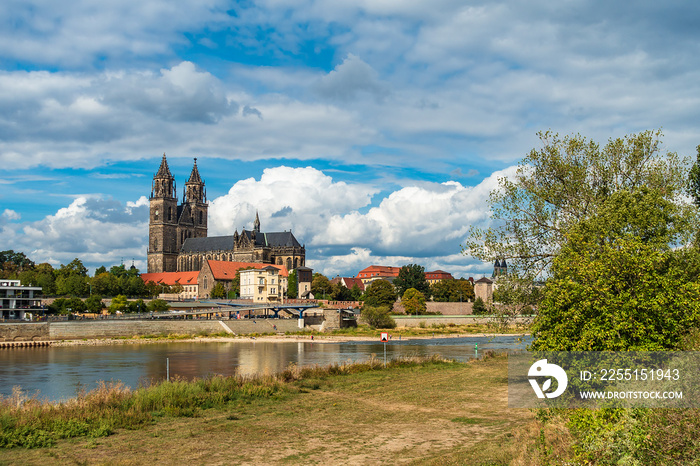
{"type": "Point", "coordinates": [194, 176]}
{"type": "Point", "coordinates": [212, 243]}
{"type": "Point", "coordinates": [163, 170]}
{"type": "Point", "coordinates": [226, 243]}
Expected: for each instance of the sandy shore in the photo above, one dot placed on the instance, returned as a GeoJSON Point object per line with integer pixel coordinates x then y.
{"type": "Point", "coordinates": [268, 338]}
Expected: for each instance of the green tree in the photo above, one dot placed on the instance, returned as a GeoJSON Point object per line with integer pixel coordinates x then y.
{"type": "Point", "coordinates": [72, 285]}
{"type": "Point", "coordinates": [693, 183]}
{"type": "Point", "coordinates": [320, 286]}
{"type": "Point", "coordinates": [46, 278]}
{"type": "Point", "coordinates": [158, 305]}
{"type": "Point", "coordinates": [562, 184]}
{"type": "Point", "coordinates": [219, 291]}
{"type": "Point", "coordinates": [453, 291]}
{"type": "Point", "coordinates": [292, 285]}
{"type": "Point", "coordinates": [412, 276]}
{"type": "Point", "coordinates": [340, 292]}
{"type": "Point", "coordinates": [13, 263]}
{"type": "Point", "coordinates": [137, 306]}
{"type": "Point", "coordinates": [378, 317]}
{"type": "Point", "coordinates": [380, 293]}
{"type": "Point", "coordinates": [94, 304]}
{"type": "Point", "coordinates": [119, 304]}
{"type": "Point", "coordinates": [479, 307]}
{"type": "Point", "coordinates": [413, 301]}
{"type": "Point", "coordinates": [355, 292]}
{"type": "Point", "coordinates": [75, 267]}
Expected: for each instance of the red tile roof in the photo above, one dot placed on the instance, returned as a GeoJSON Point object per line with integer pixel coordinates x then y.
{"type": "Point", "coordinates": [171, 278]}
{"type": "Point", "coordinates": [224, 270]}
{"type": "Point", "coordinates": [349, 282]}
{"type": "Point", "coordinates": [378, 271]}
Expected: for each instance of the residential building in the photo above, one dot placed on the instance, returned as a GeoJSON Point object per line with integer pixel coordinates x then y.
{"type": "Point", "coordinates": [17, 300]}
{"type": "Point", "coordinates": [304, 278]}
{"type": "Point", "coordinates": [262, 285]}
{"type": "Point", "coordinates": [224, 272]}
{"type": "Point", "coordinates": [378, 272]}
{"type": "Point", "coordinates": [437, 276]}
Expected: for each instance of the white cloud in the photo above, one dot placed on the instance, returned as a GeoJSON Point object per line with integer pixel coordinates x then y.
{"type": "Point", "coordinates": [97, 231]}
{"type": "Point", "coordinates": [421, 224]}
{"type": "Point", "coordinates": [10, 214]}
{"type": "Point", "coordinates": [349, 79]}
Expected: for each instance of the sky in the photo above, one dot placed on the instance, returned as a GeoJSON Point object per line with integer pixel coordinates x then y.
{"type": "Point", "coordinates": [373, 129]}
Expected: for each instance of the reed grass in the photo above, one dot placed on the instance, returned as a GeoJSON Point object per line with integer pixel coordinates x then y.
{"type": "Point", "coordinates": [29, 422]}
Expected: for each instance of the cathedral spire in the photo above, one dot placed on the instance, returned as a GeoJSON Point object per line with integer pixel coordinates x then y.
{"type": "Point", "coordinates": [195, 186]}
{"type": "Point", "coordinates": [194, 176]}
{"type": "Point", "coordinates": [256, 225]}
{"type": "Point", "coordinates": [164, 170]}
{"type": "Point", "coordinates": [163, 181]}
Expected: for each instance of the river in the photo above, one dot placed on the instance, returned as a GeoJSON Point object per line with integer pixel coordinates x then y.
{"type": "Point", "coordinates": [59, 373]}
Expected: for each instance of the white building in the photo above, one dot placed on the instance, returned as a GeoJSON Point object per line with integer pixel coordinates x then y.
{"type": "Point", "coordinates": [263, 285]}
{"type": "Point", "coordinates": [17, 300]}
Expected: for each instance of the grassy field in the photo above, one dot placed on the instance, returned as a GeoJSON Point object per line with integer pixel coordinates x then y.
{"type": "Point", "coordinates": [432, 412]}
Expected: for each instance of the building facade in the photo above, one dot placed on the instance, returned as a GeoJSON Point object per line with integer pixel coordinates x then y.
{"type": "Point", "coordinates": [264, 285]}
{"type": "Point", "coordinates": [17, 300]}
{"type": "Point", "coordinates": [177, 233]}
{"type": "Point", "coordinates": [437, 276]}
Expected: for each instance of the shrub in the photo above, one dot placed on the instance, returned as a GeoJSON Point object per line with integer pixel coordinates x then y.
{"type": "Point", "coordinates": [378, 317]}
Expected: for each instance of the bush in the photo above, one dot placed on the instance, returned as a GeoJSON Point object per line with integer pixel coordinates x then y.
{"type": "Point", "coordinates": [378, 317]}
{"type": "Point", "coordinates": [479, 307]}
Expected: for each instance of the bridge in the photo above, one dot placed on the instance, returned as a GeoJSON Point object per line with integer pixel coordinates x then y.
{"type": "Point", "coordinates": [238, 310]}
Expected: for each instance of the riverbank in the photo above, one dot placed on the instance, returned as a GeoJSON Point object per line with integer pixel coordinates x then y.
{"type": "Point", "coordinates": [315, 337]}
{"type": "Point", "coordinates": [418, 412]}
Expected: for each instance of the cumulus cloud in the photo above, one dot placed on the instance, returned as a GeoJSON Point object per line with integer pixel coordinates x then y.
{"type": "Point", "coordinates": [286, 198]}
{"type": "Point", "coordinates": [350, 78]}
{"type": "Point", "coordinates": [10, 214]}
{"type": "Point", "coordinates": [422, 224]}
{"type": "Point", "coordinates": [97, 231]}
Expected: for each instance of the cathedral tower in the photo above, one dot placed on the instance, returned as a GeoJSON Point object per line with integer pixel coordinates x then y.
{"type": "Point", "coordinates": [162, 227]}
{"type": "Point", "coordinates": [193, 213]}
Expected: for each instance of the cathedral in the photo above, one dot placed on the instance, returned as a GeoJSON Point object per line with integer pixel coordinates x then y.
{"type": "Point", "coordinates": [177, 234]}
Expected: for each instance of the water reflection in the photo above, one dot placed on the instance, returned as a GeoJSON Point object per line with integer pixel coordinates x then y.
{"type": "Point", "coordinates": [59, 372]}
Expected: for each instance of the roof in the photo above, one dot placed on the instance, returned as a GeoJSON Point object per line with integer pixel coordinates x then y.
{"type": "Point", "coordinates": [212, 243]}
{"type": "Point", "coordinates": [171, 278]}
{"type": "Point", "coordinates": [440, 273]}
{"type": "Point", "coordinates": [194, 176]}
{"type": "Point", "coordinates": [349, 282]}
{"type": "Point", "coordinates": [163, 170]}
{"type": "Point", "coordinates": [484, 280]}
{"type": "Point", "coordinates": [225, 270]}
{"type": "Point", "coordinates": [380, 270]}
{"type": "Point", "coordinates": [226, 243]}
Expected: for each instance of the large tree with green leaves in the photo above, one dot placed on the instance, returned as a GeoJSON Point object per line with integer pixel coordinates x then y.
{"type": "Point", "coordinates": [413, 301]}
{"type": "Point", "coordinates": [453, 291]}
{"type": "Point", "coordinates": [320, 286]}
{"type": "Point", "coordinates": [412, 276]}
{"type": "Point", "coordinates": [380, 293]}
{"type": "Point", "coordinates": [563, 183]}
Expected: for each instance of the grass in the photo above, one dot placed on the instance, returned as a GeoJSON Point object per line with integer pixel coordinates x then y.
{"type": "Point", "coordinates": [426, 330]}
{"type": "Point", "coordinates": [413, 411]}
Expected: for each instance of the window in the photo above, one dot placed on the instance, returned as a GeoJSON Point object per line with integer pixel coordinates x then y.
{"type": "Point", "coordinates": [155, 214]}
{"type": "Point", "coordinates": [201, 217]}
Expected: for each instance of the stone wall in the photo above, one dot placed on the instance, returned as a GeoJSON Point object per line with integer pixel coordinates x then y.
{"type": "Point", "coordinates": [78, 330]}
{"type": "Point", "coordinates": [446, 309]}
{"type": "Point", "coordinates": [429, 321]}
{"type": "Point", "coordinates": [24, 331]}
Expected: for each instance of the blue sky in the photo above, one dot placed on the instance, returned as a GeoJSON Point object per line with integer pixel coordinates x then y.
{"type": "Point", "coordinates": [373, 129]}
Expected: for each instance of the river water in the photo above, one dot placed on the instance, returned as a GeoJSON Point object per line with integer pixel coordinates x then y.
{"type": "Point", "coordinates": [59, 373]}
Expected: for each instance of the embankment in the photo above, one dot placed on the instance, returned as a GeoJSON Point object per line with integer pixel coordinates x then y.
{"type": "Point", "coordinates": [77, 330]}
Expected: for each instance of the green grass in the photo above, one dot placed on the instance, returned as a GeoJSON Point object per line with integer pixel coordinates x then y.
{"type": "Point", "coordinates": [419, 411]}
